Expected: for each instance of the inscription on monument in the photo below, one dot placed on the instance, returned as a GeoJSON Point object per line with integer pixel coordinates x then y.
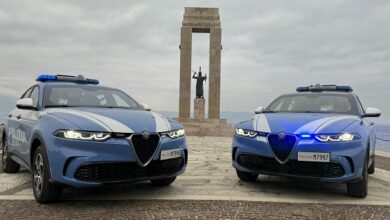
{"type": "Point", "coordinates": [201, 18]}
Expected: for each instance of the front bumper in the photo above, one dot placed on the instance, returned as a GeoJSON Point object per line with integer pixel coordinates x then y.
{"type": "Point", "coordinates": [88, 164]}
{"type": "Point", "coordinates": [254, 155]}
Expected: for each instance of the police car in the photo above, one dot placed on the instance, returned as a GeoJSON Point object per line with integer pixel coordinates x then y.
{"type": "Point", "coordinates": [70, 131]}
{"type": "Point", "coordinates": [320, 133]}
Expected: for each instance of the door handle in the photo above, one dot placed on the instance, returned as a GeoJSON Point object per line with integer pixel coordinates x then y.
{"type": "Point", "coordinates": [19, 116]}
{"type": "Point", "coordinates": [10, 116]}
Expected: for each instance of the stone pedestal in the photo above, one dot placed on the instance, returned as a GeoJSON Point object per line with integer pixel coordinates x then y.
{"type": "Point", "coordinates": [207, 127]}
{"type": "Point", "coordinates": [199, 109]}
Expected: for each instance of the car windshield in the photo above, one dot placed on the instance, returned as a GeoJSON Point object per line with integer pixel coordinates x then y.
{"type": "Point", "coordinates": [87, 96]}
{"type": "Point", "coordinates": [315, 102]}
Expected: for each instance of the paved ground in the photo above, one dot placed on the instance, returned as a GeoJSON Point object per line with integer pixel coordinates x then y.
{"type": "Point", "coordinates": [209, 188]}
{"type": "Point", "coordinates": [162, 209]}
{"type": "Point", "coordinates": [382, 162]}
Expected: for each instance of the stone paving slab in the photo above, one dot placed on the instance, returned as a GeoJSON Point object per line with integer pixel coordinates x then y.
{"type": "Point", "coordinates": [210, 176]}
{"type": "Point", "coordinates": [183, 209]}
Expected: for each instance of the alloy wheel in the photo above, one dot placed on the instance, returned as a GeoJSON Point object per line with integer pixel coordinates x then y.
{"type": "Point", "coordinates": [38, 173]}
{"type": "Point", "coordinates": [4, 156]}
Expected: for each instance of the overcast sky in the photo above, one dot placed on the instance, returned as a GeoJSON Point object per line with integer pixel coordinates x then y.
{"type": "Point", "coordinates": [269, 47]}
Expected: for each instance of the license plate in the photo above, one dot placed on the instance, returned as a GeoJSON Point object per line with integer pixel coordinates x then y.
{"type": "Point", "coordinates": [169, 154]}
{"type": "Point", "coordinates": [313, 157]}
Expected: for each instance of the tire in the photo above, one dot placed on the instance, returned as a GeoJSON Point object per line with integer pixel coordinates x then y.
{"type": "Point", "coordinates": [44, 190]}
{"type": "Point", "coordinates": [163, 182]}
{"type": "Point", "coordinates": [246, 177]}
{"type": "Point", "coordinates": [8, 165]}
{"type": "Point", "coordinates": [359, 189]}
{"type": "Point", "coordinates": [371, 168]}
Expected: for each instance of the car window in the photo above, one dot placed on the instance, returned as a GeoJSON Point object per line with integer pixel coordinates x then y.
{"type": "Point", "coordinates": [315, 102]}
{"type": "Point", "coordinates": [361, 105]}
{"type": "Point", "coordinates": [119, 101]}
{"type": "Point", "coordinates": [27, 93]}
{"type": "Point", "coordinates": [102, 99]}
{"type": "Point", "coordinates": [35, 96]}
{"type": "Point", "coordinates": [87, 96]}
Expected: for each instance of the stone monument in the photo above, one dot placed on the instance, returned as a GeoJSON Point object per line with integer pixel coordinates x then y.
{"type": "Point", "coordinates": [199, 101]}
{"type": "Point", "coordinates": [201, 20]}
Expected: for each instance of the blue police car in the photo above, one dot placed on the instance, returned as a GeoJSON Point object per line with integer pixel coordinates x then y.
{"type": "Point", "coordinates": [319, 133]}
{"type": "Point", "coordinates": [69, 131]}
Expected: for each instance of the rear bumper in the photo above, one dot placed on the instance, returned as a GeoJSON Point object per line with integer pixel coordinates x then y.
{"type": "Point", "coordinates": [89, 164]}
{"type": "Point", "coordinates": [346, 160]}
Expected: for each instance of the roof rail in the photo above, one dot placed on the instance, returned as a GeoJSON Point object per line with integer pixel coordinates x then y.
{"type": "Point", "coordinates": [322, 88]}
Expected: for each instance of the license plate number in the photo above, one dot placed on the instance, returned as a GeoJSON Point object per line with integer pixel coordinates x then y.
{"type": "Point", "coordinates": [313, 157]}
{"type": "Point", "coordinates": [169, 154]}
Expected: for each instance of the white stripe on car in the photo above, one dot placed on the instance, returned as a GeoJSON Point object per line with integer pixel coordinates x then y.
{"type": "Point", "coordinates": [107, 123]}
{"type": "Point", "coordinates": [260, 123]}
{"type": "Point", "coordinates": [162, 124]}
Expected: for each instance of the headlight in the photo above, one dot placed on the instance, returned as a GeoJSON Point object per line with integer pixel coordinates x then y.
{"type": "Point", "coordinates": [174, 134]}
{"type": "Point", "coordinates": [337, 137]}
{"type": "Point", "coordinates": [245, 133]}
{"type": "Point", "coordinates": [82, 135]}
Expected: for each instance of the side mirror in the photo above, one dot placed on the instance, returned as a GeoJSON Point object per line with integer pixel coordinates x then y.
{"type": "Point", "coordinates": [259, 110]}
{"type": "Point", "coordinates": [372, 112]}
{"type": "Point", "coordinates": [146, 107]}
{"type": "Point", "coordinates": [25, 103]}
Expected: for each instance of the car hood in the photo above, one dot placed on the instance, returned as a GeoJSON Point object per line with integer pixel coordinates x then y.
{"type": "Point", "coordinates": [114, 120]}
{"type": "Point", "coordinates": [299, 123]}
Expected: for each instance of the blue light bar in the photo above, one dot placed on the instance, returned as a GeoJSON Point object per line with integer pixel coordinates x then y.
{"type": "Point", "coordinates": [65, 78]}
{"type": "Point", "coordinates": [302, 89]}
{"type": "Point", "coordinates": [44, 78]}
{"type": "Point", "coordinates": [322, 88]}
{"type": "Point", "coordinates": [93, 81]}
{"type": "Point", "coordinates": [344, 88]}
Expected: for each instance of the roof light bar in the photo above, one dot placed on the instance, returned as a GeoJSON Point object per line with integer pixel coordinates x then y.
{"type": "Point", "coordinates": [44, 78]}
{"type": "Point", "coordinates": [321, 88]}
{"type": "Point", "coordinates": [66, 78]}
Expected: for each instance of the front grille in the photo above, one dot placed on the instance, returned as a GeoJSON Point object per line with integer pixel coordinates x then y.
{"type": "Point", "coordinates": [282, 147]}
{"type": "Point", "coordinates": [301, 168]}
{"type": "Point", "coordinates": [145, 148]}
{"type": "Point", "coordinates": [108, 172]}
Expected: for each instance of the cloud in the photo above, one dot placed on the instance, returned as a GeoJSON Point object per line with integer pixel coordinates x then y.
{"type": "Point", "coordinates": [269, 47]}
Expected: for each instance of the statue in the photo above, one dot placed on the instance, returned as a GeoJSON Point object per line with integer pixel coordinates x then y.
{"type": "Point", "coordinates": [199, 83]}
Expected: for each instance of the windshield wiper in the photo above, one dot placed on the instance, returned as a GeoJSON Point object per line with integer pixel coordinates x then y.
{"type": "Point", "coordinates": [58, 106]}
{"type": "Point", "coordinates": [115, 107]}
{"type": "Point", "coordinates": [309, 112]}
{"type": "Point", "coordinates": [268, 111]}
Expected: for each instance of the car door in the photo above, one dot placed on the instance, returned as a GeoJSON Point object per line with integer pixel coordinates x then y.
{"type": "Point", "coordinates": [28, 120]}
{"type": "Point", "coordinates": [15, 131]}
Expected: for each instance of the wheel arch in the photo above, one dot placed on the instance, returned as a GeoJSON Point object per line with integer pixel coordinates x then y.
{"type": "Point", "coordinates": [37, 141]}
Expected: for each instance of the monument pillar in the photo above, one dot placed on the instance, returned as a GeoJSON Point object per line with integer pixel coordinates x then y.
{"type": "Point", "coordinates": [215, 73]}
{"type": "Point", "coordinates": [185, 72]}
